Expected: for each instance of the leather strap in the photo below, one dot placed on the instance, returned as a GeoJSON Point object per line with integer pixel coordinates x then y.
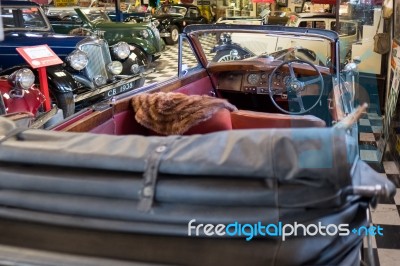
{"type": "Point", "coordinates": [148, 191]}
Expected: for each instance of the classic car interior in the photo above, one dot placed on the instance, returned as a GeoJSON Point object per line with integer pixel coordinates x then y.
{"type": "Point", "coordinates": [282, 92]}
{"type": "Point", "coordinates": [135, 198]}
{"type": "Point", "coordinates": [255, 108]}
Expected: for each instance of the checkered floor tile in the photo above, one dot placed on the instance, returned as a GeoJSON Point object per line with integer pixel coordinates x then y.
{"type": "Point", "coordinates": [370, 128]}
{"type": "Point", "coordinates": [386, 248]}
{"type": "Point", "coordinates": [165, 67]}
{"type": "Point", "coordinates": [387, 216]}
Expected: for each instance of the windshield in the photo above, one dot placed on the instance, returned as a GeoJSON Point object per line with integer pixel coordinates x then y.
{"type": "Point", "coordinates": [171, 10]}
{"type": "Point", "coordinates": [231, 45]}
{"type": "Point", "coordinates": [277, 14]}
{"type": "Point", "coordinates": [96, 15]}
{"type": "Point", "coordinates": [27, 18]}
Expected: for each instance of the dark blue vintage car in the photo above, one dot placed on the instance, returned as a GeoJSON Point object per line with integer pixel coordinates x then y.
{"type": "Point", "coordinates": [92, 69]}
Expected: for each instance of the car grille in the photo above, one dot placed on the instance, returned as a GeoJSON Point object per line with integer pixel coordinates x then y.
{"type": "Point", "coordinates": [99, 57]}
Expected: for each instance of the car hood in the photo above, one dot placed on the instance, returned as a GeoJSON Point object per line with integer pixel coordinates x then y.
{"type": "Point", "coordinates": [115, 26]}
{"type": "Point", "coordinates": [173, 16]}
{"type": "Point", "coordinates": [61, 44]}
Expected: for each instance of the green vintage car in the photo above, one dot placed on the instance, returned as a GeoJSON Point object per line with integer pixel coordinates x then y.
{"type": "Point", "coordinates": [144, 37]}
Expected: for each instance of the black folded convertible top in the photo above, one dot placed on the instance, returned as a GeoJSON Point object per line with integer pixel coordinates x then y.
{"type": "Point", "coordinates": [74, 189]}
{"type": "Point", "coordinates": [315, 156]}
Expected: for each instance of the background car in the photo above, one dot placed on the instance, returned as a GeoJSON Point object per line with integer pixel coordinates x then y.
{"type": "Point", "coordinates": [91, 69]}
{"type": "Point", "coordinates": [130, 12]}
{"type": "Point", "coordinates": [265, 18]}
{"type": "Point", "coordinates": [143, 37]}
{"type": "Point", "coordinates": [348, 29]}
{"type": "Point", "coordinates": [171, 20]}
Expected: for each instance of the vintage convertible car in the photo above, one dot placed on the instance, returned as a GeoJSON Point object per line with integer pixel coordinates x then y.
{"type": "Point", "coordinates": [291, 70]}
{"type": "Point", "coordinates": [144, 36]}
{"type": "Point", "coordinates": [203, 169]}
{"type": "Point", "coordinates": [92, 69]}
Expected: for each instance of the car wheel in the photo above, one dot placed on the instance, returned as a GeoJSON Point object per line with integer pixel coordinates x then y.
{"type": "Point", "coordinates": [64, 101]}
{"type": "Point", "coordinates": [173, 39]}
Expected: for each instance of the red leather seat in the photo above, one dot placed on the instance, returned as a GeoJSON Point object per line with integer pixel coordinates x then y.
{"type": "Point", "coordinates": [244, 119]}
{"type": "Point", "coordinates": [221, 120]}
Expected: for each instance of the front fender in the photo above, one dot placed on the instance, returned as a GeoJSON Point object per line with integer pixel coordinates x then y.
{"type": "Point", "coordinates": [60, 80]}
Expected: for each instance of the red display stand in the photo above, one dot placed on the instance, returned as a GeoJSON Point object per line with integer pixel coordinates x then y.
{"type": "Point", "coordinates": [39, 57]}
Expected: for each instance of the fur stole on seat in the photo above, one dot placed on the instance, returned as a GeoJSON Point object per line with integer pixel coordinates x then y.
{"type": "Point", "coordinates": [174, 113]}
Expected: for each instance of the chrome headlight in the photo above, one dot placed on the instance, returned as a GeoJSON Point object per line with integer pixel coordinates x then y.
{"type": "Point", "coordinates": [121, 50]}
{"type": "Point", "coordinates": [23, 79]}
{"type": "Point", "coordinates": [144, 34]}
{"type": "Point", "coordinates": [78, 60]}
{"type": "Point", "coordinates": [115, 67]}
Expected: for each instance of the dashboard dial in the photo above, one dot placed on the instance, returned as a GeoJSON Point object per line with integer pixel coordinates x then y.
{"type": "Point", "coordinates": [264, 76]}
{"type": "Point", "coordinates": [253, 79]}
{"type": "Point", "coordinates": [287, 80]}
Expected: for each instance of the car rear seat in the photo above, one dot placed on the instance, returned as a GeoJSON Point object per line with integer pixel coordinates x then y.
{"type": "Point", "coordinates": [225, 119]}
{"type": "Point", "coordinates": [243, 119]}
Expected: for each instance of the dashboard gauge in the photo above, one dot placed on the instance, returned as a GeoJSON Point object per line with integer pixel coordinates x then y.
{"type": "Point", "coordinates": [253, 78]}
{"type": "Point", "coordinates": [277, 77]}
{"type": "Point", "coordinates": [286, 80]}
{"type": "Point", "coordinates": [264, 76]}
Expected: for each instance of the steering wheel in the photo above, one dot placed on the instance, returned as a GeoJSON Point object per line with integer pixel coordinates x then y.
{"type": "Point", "coordinates": [294, 85]}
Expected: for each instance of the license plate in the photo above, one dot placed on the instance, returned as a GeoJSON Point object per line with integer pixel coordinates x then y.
{"type": "Point", "coordinates": [120, 89]}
